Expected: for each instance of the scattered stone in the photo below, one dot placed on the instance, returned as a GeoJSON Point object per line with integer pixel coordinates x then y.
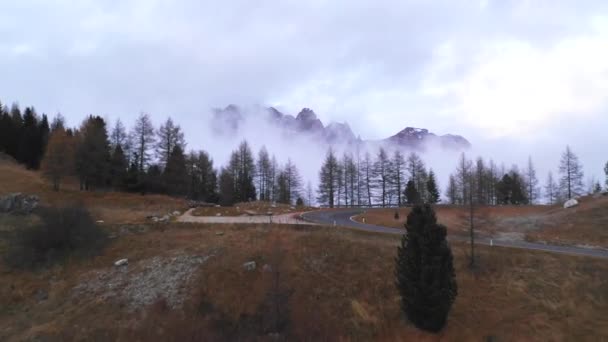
{"type": "Point", "coordinates": [121, 262]}
{"type": "Point", "coordinates": [267, 268]}
{"type": "Point", "coordinates": [570, 203]}
{"type": "Point", "coordinates": [42, 295]}
{"type": "Point", "coordinates": [167, 277]}
{"type": "Point", "coordinates": [249, 266]}
{"type": "Point", "coordinates": [18, 203]}
{"type": "Point", "coordinates": [219, 233]}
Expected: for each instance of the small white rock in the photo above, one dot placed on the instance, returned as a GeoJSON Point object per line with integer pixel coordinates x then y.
{"type": "Point", "coordinates": [121, 262]}
{"type": "Point", "coordinates": [218, 214]}
{"type": "Point", "coordinates": [570, 203]}
{"type": "Point", "coordinates": [176, 213]}
{"type": "Point", "coordinates": [249, 266]}
{"type": "Point", "coordinates": [99, 221]}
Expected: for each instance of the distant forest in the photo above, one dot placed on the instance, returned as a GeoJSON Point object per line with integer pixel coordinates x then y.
{"type": "Point", "coordinates": [146, 159]}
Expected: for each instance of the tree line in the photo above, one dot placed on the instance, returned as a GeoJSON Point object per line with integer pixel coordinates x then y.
{"type": "Point", "coordinates": [149, 160]}
{"type": "Point", "coordinates": [144, 159]}
{"type": "Point", "coordinates": [383, 180]}
{"type": "Point", "coordinates": [394, 180]}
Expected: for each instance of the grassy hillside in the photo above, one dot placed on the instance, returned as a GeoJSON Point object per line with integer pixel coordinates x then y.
{"type": "Point", "coordinates": [112, 207]}
{"type": "Point", "coordinates": [332, 284]}
{"type": "Point", "coordinates": [586, 224]}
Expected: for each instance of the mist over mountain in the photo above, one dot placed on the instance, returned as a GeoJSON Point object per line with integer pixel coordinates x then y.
{"type": "Point", "coordinates": [230, 121]}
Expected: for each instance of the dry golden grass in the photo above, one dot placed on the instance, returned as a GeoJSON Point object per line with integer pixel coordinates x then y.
{"type": "Point", "coordinates": [586, 224]}
{"type": "Point", "coordinates": [255, 208]}
{"type": "Point", "coordinates": [341, 287]}
{"type": "Point", "coordinates": [109, 206]}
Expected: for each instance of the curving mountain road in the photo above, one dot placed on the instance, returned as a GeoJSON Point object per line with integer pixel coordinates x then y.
{"type": "Point", "coordinates": [342, 217]}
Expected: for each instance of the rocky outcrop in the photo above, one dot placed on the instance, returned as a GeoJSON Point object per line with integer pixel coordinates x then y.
{"type": "Point", "coordinates": [419, 137]}
{"type": "Point", "coordinates": [227, 121]}
{"type": "Point", "coordinates": [18, 203]}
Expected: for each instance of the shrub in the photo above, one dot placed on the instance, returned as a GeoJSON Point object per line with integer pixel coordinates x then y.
{"type": "Point", "coordinates": [63, 232]}
{"type": "Point", "coordinates": [425, 274]}
{"type": "Point", "coordinates": [396, 214]}
{"type": "Point", "coordinates": [300, 202]}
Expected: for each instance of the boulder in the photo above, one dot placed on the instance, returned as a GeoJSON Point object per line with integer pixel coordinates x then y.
{"type": "Point", "coordinates": [570, 203]}
{"type": "Point", "coordinates": [18, 203]}
{"type": "Point", "coordinates": [121, 262]}
{"type": "Point", "coordinates": [249, 266]}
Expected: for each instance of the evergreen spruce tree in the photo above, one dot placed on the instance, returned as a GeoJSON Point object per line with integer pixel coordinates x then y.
{"type": "Point", "coordinates": [432, 189]}
{"type": "Point", "coordinates": [412, 196]}
{"type": "Point", "coordinates": [118, 168]}
{"type": "Point", "coordinates": [175, 176]}
{"type": "Point", "coordinates": [424, 271]}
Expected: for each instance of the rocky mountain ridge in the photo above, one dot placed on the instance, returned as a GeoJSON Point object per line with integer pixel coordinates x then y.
{"type": "Point", "coordinates": [229, 120]}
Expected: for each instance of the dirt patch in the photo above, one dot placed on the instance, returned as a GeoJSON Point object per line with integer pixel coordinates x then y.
{"type": "Point", "coordinates": [143, 283]}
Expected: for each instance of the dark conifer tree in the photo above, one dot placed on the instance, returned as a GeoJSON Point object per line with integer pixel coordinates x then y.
{"type": "Point", "coordinates": [118, 168]}
{"type": "Point", "coordinates": [175, 175]}
{"type": "Point", "coordinates": [29, 142]}
{"type": "Point", "coordinates": [227, 188]}
{"type": "Point", "coordinates": [93, 154]}
{"type": "Point", "coordinates": [424, 271]}
{"type": "Point", "coordinates": [411, 193]}
{"type": "Point", "coordinates": [432, 189]}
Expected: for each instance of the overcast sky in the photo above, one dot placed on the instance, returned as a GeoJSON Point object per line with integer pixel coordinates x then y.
{"type": "Point", "coordinates": [532, 74]}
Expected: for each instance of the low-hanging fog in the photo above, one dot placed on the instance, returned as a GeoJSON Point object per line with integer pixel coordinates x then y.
{"type": "Point", "coordinates": [516, 78]}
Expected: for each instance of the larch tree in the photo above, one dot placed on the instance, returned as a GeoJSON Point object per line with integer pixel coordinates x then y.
{"type": "Point", "coordinates": [416, 172]}
{"type": "Point", "coordinates": [367, 175]}
{"type": "Point", "coordinates": [118, 135]}
{"type": "Point", "coordinates": [242, 167]}
{"type": "Point", "coordinates": [264, 174]}
{"type": "Point", "coordinates": [452, 192]}
{"type": "Point", "coordinates": [463, 178]}
{"type": "Point", "coordinates": [382, 173]}
{"type": "Point", "coordinates": [328, 179]}
{"type": "Point", "coordinates": [143, 141]}
{"type": "Point", "coordinates": [533, 190]}
{"type": "Point", "coordinates": [551, 189]}
{"type": "Point", "coordinates": [606, 172]}
{"type": "Point", "coordinates": [294, 181]}
{"type": "Point", "coordinates": [398, 176]}
{"type": "Point", "coordinates": [571, 171]}
{"type": "Point", "coordinates": [169, 136]}
{"type": "Point", "coordinates": [58, 161]}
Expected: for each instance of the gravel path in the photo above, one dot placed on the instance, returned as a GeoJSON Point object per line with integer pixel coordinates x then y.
{"type": "Point", "coordinates": [292, 218]}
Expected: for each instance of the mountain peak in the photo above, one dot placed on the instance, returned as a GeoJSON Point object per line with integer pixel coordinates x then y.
{"type": "Point", "coordinates": [306, 114]}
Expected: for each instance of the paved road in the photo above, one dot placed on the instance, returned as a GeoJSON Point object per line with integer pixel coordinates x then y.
{"type": "Point", "coordinates": [342, 217]}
